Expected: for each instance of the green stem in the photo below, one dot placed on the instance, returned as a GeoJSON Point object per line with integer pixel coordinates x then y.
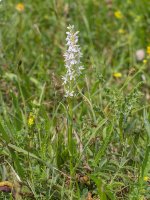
{"type": "Point", "coordinates": [70, 127]}
{"type": "Point", "coordinates": [70, 134]}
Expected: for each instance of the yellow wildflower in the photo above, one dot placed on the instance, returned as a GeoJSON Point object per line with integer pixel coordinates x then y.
{"type": "Point", "coordinates": [144, 61]}
{"type": "Point", "coordinates": [121, 31]}
{"type": "Point", "coordinates": [6, 186]}
{"type": "Point", "coordinates": [148, 50]}
{"type": "Point", "coordinates": [117, 75]}
{"type": "Point", "coordinates": [6, 183]}
{"type": "Point", "coordinates": [20, 7]}
{"type": "Point", "coordinates": [146, 178]}
{"type": "Point", "coordinates": [118, 14]}
{"type": "Point", "coordinates": [31, 119]}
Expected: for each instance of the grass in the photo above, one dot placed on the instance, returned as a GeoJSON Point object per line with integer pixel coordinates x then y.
{"type": "Point", "coordinates": [110, 120]}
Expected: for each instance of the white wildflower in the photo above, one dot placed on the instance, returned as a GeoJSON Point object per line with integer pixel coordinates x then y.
{"type": "Point", "coordinates": [69, 93]}
{"type": "Point", "coordinates": [140, 54]}
{"type": "Point", "coordinates": [72, 61]}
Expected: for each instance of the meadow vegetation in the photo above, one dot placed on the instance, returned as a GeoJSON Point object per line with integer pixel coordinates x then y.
{"type": "Point", "coordinates": [94, 145]}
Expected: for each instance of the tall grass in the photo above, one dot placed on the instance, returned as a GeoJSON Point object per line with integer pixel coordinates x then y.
{"type": "Point", "coordinates": [109, 118]}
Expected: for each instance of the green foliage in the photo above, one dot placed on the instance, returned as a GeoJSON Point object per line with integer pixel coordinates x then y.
{"type": "Point", "coordinates": [108, 156]}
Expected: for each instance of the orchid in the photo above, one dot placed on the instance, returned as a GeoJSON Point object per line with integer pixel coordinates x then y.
{"type": "Point", "coordinates": [72, 61]}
